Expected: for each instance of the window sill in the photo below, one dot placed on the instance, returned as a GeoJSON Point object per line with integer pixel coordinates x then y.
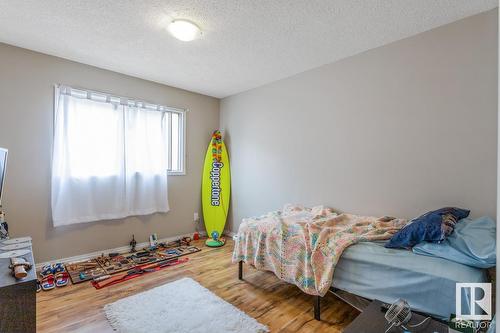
{"type": "Point", "coordinates": [176, 173]}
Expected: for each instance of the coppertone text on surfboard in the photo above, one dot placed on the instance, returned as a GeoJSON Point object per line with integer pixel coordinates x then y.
{"type": "Point", "coordinates": [215, 178]}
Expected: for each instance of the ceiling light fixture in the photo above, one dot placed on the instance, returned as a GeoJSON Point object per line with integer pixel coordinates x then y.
{"type": "Point", "coordinates": [184, 30]}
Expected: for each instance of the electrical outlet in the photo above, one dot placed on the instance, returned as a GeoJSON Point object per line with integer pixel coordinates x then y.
{"type": "Point", "coordinates": [196, 217]}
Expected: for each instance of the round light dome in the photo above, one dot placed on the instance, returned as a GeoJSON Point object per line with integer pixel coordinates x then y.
{"type": "Point", "coordinates": [184, 30]}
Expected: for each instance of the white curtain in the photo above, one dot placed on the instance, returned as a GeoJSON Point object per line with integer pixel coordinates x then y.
{"type": "Point", "coordinates": [110, 158]}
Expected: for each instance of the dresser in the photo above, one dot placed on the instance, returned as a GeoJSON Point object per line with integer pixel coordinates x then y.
{"type": "Point", "coordinates": [17, 297]}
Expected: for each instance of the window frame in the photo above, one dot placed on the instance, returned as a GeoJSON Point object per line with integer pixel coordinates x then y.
{"type": "Point", "coordinates": [148, 105]}
{"type": "Point", "coordinates": [182, 142]}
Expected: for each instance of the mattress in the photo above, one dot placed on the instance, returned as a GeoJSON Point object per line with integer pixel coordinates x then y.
{"type": "Point", "coordinates": [370, 270]}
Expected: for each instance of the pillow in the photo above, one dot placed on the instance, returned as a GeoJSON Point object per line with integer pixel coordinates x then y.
{"type": "Point", "coordinates": [473, 243]}
{"type": "Point", "coordinates": [433, 226]}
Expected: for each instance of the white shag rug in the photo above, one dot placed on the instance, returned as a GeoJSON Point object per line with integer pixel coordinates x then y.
{"type": "Point", "coordinates": [182, 306]}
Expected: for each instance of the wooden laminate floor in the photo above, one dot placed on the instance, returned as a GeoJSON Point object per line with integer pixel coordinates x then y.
{"type": "Point", "coordinates": [280, 306]}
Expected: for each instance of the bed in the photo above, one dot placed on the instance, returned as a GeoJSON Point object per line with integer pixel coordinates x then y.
{"type": "Point", "coordinates": [307, 246]}
{"type": "Point", "coordinates": [370, 270]}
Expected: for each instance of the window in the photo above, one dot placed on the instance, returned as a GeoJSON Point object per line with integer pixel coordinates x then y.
{"type": "Point", "coordinates": [104, 121]}
{"type": "Point", "coordinates": [177, 127]}
{"type": "Point", "coordinates": [111, 156]}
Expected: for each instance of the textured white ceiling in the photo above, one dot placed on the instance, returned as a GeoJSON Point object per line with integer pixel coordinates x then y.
{"type": "Point", "coordinates": [245, 43]}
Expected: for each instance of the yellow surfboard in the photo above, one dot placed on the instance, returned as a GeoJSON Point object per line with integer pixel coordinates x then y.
{"type": "Point", "coordinates": [215, 189]}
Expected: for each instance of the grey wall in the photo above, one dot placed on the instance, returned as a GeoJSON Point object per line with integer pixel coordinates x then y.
{"type": "Point", "coordinates": [397, 130]}
{"type": "Point", "coordinates": [26, 113]}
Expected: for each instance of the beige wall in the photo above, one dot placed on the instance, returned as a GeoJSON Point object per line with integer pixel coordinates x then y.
{"type": "Point", "coordinates": [26, 111]}
{"type": "Point", "coordinates": [397, 130]}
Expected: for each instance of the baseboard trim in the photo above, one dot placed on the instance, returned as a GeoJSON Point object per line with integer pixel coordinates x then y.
{"type": "Point", "coordinates": [121, 249]}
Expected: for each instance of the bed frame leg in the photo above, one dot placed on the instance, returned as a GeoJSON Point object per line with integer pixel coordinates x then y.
{"type": "Point", "coordinates": [240, 270]}
{"type": "Point", "coordinates": [317, 308]}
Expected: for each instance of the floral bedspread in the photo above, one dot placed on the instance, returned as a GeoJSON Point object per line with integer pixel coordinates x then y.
{"type": "Point", "coordinates": [303, 245]}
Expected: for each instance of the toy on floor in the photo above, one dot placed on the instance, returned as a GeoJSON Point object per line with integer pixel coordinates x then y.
{"type": "Point", "coordinates": [114, 263]}
{"type": "Point", "coordinates": [108, 280]}
{"type": "Point", "coordinates": [184, 241]}
{"type": "Point", "coordinates": [153, 240]}
{"type": "Point", "coordinates": [117, 263]}
{"type": "Point", "coordinates": [82, 271]}
{"type": "Point", "coordinates": [133, 244]}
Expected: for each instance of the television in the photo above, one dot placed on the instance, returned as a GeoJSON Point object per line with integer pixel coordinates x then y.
{"type": "Point", "coordinates": [3, 166]}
